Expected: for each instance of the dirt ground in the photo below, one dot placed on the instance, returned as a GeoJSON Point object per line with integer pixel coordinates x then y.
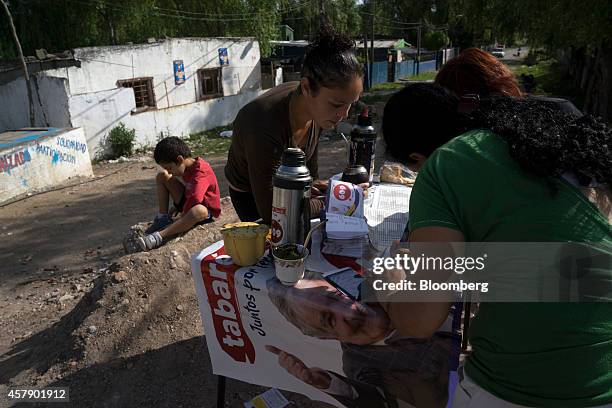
{"type": "Point", "coordinates": [119, 330]}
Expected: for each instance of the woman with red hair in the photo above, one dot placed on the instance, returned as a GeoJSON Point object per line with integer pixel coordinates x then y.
{"type": "Point", "coordinates": [476, 72]}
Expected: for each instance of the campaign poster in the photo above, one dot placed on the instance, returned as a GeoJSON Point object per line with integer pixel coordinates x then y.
{"type": "Point", "coordinates": [179, 72]}
{"type": "Point", "coordinates": [223, 57]}
{"type": "Point", "coordinates": [316, 340]}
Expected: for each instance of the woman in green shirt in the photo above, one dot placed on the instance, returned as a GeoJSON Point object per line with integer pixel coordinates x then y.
{"type": "Point", "coordinates": [526, 173]}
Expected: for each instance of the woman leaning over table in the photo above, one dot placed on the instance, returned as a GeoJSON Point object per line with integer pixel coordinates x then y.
{"type": "Point", "coordinates": [526, 173]}
{"type": "Point", "coordinates": [291, 115]}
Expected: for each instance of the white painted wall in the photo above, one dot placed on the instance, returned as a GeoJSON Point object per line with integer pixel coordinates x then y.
{"type": "Point", "coordinates": [88, 96]}
{"type": "Point", "coordinates": [43, 163]}
{"type": "Point", "coordinates": [50, 103]}
{"type": "Point", "coordinates": [98, 105]}
{"type": "Point", "coordinates": [99, 112]}
{"type": "Point", "coordinates": [447, 54]}
{"type": "Point", "coordinates": [102, 67]}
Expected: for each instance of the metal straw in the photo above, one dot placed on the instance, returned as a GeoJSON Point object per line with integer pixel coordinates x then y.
{"type": "Point", "coordinates": [307, 240]}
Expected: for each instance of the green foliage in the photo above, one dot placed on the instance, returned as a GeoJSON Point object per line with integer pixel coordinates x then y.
{"type": "Point", "coordinates": [120, 140]}
{"type": "Point", "coordinates": [387, 86]}
{"type": "Point", "coordinates": [305, 17]}
{"type": "Point", "coordinates": [435, 40]}
{"type": "Point", "coordinates": [208, 143]}
{"type": "Point", "coordinates": [57, 25]}
{"type": "Point", "coordinates": [550, 79]}
{"type": "Point", "coordinates": [424, 76]}
{"type": "Point", "coordinates": [104, 22]}
{"type": "Point", "coordinates": [552, 24]}
{"type": "Point", "coordinates": [392, 17]}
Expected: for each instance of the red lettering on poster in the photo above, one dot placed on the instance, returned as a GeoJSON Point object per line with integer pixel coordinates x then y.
{"type": "Point", "coordinates": [220, 288]}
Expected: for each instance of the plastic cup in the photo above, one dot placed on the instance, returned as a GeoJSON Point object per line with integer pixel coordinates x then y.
{"type": "Point", "coordinates": [245, 242]}
{"type": "Point", "coordinates": [290, 271]}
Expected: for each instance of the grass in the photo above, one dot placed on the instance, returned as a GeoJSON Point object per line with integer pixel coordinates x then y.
{"type": "Point", "coordinates": [387, 86]}
{"type": "Point", "coordinates": [549, 79]}
{"type": "Point", "coordinates": [380, 92]}
{"type": "Point", "coordinates": [208, 143]}
{"type": "Point", "coordinates": [423, 76]}
{"type": "Point", "coordinates": [542, 72]}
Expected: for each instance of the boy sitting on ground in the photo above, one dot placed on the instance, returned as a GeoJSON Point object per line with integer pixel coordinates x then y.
{"type": "Point", "coordinates": [191, 183]}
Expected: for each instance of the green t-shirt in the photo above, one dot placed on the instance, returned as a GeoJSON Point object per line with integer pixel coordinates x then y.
{"type": "Point", "coordinates": [533, 354]}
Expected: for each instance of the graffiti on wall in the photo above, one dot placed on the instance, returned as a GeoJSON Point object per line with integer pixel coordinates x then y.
{"type": "Point", "coordinates": [13, 160]}
{"type": "Point", "coordinates": [56, 155]}
{"type": "Point", "coordinates": [72, 144]}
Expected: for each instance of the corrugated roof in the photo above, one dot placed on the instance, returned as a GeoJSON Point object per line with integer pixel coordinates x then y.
{"type": "Point", "coordinates": [384, 43]}
{"type": "Point", "coordinates": [41, 56]}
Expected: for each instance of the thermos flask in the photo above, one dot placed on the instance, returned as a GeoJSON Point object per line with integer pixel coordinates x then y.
{"type": "Point", "coordinates": [362, 146]}
{"type": "Point", "coordinates": [290, 199]}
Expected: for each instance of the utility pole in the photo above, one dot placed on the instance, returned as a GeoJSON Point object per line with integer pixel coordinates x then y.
{"type": "Point", "coordinates": [367, 65]}
{"type": "Point", "coordinates": [372, 43]}
{"type": "Point", "coordinates": [322, 16]}
{"type": "Point", "coordinates": [24, 66]}
{"type": "Point", "coordinates": [418, 48]}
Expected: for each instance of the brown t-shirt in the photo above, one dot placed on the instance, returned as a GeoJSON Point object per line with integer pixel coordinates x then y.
{"type": "Point", "coordinates": [262, 131]}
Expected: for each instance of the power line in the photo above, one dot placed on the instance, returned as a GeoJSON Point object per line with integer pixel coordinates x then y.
{"type": "Point", "coordinates": [87, 3]}
{"type": "Point", "coordinates": [176, 13]}
{"type": "Point", "coordinates": [197, 13]}
{"type": "Point", "coordinates": [389, 20]}
{"type": "Point", "coordinates": [396, 27]}
{"type": "Point", "coordinates": [411, 28]}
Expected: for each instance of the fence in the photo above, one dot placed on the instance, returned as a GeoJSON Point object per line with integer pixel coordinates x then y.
{"type": "Point", "coordinates": [380, 72]}
{"type": "Point", "coordinates": [427, 66]}
{"type": "Point", "coordinates": [404, 69]}
{"type": "Point", "coordinates": [383, 71]}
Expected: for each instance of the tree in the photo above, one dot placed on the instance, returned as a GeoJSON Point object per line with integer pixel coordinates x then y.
{"type": "Point", "coordinates": [57, 25]}
{"type": "Point", "coordinates": [577, 33]}
{"type": "Point", "coordinates": [305, 17]}
{"type": "Point", "coordinates": [434, 40]}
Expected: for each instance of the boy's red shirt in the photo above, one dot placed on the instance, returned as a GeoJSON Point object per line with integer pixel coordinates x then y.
{"type": "Point", "coordinates": [201, 187]}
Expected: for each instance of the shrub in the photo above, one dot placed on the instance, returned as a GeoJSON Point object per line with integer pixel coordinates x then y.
{"type": "Point", "coordinates": [434, 40]}
{"type": "Point", "coordinates": [121, 140]}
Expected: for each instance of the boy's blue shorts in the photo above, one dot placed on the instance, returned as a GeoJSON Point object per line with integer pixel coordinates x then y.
{"type": "Point", "coordinates": [182, 204]}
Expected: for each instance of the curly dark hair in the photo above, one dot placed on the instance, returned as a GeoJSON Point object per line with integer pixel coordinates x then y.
{"type": "Point", "coordinates": [541, 138]}
{"type": "Point", "coordinates": [330, 60]}
{"type": "Point", "coordinates": [547, 142]}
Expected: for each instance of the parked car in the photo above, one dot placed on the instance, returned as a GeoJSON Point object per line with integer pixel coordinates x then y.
{"type": "Point", "coordinates": [498, 52]}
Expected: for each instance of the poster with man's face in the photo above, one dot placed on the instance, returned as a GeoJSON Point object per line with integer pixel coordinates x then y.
{"type": "Point", "coordinates": [313, 338]}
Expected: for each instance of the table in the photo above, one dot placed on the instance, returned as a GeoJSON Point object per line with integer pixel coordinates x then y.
{"type": "Point", "coordinates": [245, 311]}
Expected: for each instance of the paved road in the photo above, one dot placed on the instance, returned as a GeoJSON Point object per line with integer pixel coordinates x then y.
{"type": "Point", "coordinates": [511, 54]}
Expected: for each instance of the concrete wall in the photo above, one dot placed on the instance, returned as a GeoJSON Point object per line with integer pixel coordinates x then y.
{"type": "Point", "coordinates": [102, 67]}
{"type": "Point", "coordinates": [43, 163]}
{"type": "Point", "coordinates": [99, 112]}
{"type": "Point", "coordinates": [50, 103]}
{"type": "Point", "coordinates": [98, 105]}
{"type": "Point", "coordinates": [88, 96]}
